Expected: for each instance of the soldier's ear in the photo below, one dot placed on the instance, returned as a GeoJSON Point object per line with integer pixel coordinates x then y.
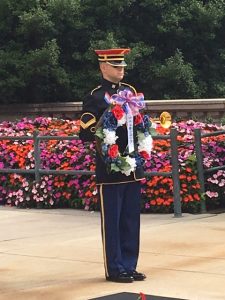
{"type": "Point", "coordinates": [102, 66]}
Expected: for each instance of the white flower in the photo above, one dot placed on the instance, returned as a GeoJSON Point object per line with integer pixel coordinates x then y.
{"type": "Point", "coordinates": [110, 137]}
{"type": "Point", "coordinates": [122, 121]}
{"type": "Point", "coordinates": [30, 154]}
{"type": "Point", "coordinates": [95, 192]}
{"type": "Point", "coordinates": [127, 172]}
{"type": "Point", "coordinates": [146, 144]}
{"type": "Point", "coordinates": [154, 125]}
{"type": "Point", "coordinates": [132, 162]}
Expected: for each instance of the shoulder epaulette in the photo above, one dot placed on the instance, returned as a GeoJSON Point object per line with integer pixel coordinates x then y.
{"type": "Point", "coordinates": [98, 87]}
{"type": "Point", "coordinates": [130, 86]}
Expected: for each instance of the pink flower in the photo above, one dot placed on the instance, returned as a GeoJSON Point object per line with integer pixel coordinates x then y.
{"type": "Point", "coordinates": [212, 194]}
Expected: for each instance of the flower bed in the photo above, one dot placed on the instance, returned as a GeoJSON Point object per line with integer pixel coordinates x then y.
{"type": "Point", "coordinates": [80, 191]}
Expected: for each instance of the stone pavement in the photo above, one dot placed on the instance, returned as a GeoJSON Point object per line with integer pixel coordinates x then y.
{"type": "Point", "coordinates": [57, 255]}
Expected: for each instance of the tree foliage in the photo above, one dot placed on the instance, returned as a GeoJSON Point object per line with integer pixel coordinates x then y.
{"type": "Point", "coordinates": [46, 47]}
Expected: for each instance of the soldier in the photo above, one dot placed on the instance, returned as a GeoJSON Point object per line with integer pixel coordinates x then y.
{"type": "Point", "coordinates": [119, 193]}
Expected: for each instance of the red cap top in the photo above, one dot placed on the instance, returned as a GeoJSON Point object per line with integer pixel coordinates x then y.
{"type": "Point", "coordinates": [114, 57]}
{"type": "Point", "coordinates": [109, 52]}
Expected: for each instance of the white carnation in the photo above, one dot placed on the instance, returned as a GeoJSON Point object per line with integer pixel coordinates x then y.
{"type": "Point", "coordinates": [110, 137]}
{"type": "Point", "coordinates": [132, 162]}
{"type": "Point", "coordinates": [146, 144]}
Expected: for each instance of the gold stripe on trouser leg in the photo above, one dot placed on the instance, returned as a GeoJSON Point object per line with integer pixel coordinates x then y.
{"type": "Point", "coordinates": [103, 229]}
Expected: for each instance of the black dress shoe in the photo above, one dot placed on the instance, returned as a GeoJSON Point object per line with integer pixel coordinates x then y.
{"type": "Point", "coordinates": [123, 277]}
{"type": "Point", "coordinates": [137, 276]}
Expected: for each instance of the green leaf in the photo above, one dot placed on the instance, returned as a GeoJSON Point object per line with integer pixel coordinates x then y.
{"type": "Point", "coordinates": [114, 167]}
{"type": "Point", "coordinates": [99, 133]}
{"type": "Point", "coordinates": [152, 131]}
{"type": "Point", "coordinates": [192, 158]}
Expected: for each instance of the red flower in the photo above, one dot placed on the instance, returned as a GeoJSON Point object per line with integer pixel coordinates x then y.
{"type": "Point", "coordinates": [118, 112]}
{"type": "Point", "coordinates": [142, 296]}
{"type": "Point", "coordinates": [138, 119]}
{"type": "Point", "coordinates": [113, 151]}
{"type": "Point", "coordinates": [145, 154]}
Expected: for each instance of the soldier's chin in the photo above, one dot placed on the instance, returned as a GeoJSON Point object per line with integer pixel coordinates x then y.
{"type": "Point", "coordinates": [121, 76]}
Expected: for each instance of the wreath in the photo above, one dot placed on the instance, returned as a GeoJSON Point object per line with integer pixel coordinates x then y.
{"type": "Point", "coordinates": [124, 110]}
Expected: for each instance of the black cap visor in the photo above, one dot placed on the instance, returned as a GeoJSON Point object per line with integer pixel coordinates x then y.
{"type": "Point", "coordinates": [117, 63]}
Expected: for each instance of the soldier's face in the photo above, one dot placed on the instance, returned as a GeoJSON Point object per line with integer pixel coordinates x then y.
{"type": "Point", "coordinates": [112, 73]}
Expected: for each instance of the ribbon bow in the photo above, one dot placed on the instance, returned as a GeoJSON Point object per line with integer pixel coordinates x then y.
{"type": "Point", "coordinates": [132, 105]}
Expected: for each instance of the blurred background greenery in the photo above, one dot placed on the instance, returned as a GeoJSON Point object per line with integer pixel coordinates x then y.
{"type": "Point", "coordinates": [46, 47]}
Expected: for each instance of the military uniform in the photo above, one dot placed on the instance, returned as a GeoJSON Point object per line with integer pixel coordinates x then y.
{"type": "Point", "coordinates": [119, 194]}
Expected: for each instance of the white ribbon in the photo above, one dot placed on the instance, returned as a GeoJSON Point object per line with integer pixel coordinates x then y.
{"type": "Point", "coordinates": [130, 132]}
